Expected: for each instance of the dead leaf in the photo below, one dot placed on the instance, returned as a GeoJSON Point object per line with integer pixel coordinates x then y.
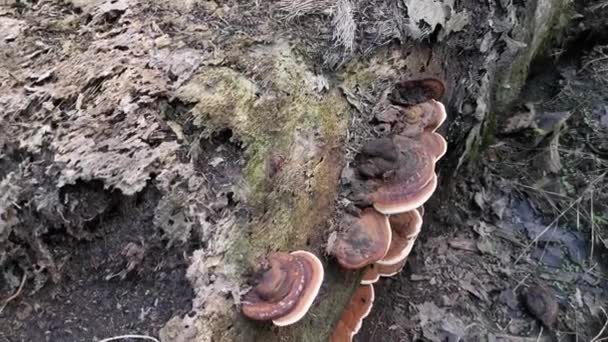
{"type": "Point", "coordinates": [603, 114]}
{"type": "Point", "coordinates": [520, 121]}
{"type": "Point", "coordinates": [10, 29]}
{"type": "Point", "coordinates": [439, 325]}
{"type": "Point", "coordinates": [499, 206]}
{"type": "Point", "coordinates": [479, 199]}
{"type": "Point", "coordinates": [463, 244]}
{"type": "Point", "coordinates": [214, 162]}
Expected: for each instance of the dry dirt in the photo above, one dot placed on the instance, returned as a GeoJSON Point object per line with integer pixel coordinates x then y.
{"type": "Point", "coordinates": [97, 223]}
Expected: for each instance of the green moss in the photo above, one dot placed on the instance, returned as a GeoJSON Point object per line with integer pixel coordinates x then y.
{"type": "Point", "coordinates": [287, 118]}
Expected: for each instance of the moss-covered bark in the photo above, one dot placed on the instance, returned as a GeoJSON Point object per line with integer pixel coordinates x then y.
{"type": "Point", "coordinates": [304, 126]}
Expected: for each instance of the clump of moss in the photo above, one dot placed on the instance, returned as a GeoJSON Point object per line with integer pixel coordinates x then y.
{"type": "Point", "coordinates": [275, 112]}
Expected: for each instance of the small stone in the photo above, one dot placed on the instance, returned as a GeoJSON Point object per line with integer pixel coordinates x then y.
{"type": "Point", "coordinates": [162, 41]}
{"type": "Point", "coordinates": [417, 277]}
{"type": "Point", "coordinates": [209, 6]}
{"type": "Point", "coordinates": [541, 303]}
{"type": "Point", "coordinates": [445, 301]}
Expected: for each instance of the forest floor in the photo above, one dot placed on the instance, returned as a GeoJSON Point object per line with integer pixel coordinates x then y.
{"type": "Point", "coordinates": [86, 263]}
{"type": "Point", "coordinates": [533, 213]}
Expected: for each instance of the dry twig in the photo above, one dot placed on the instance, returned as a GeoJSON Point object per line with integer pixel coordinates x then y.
{"type": "Point", "coordinates": [546, 229]}
{"type": "Point", "coordinates": [597, 337]}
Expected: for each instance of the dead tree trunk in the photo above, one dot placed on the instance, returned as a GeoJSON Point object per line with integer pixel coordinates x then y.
{"type": "Point", "coordinates": [240, 116]}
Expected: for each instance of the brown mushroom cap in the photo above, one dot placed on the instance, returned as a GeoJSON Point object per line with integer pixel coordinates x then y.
{"type": "Point", "coordinates": [352, 317]}
{"type": "Point", "coordinates": [394, 198]}
{"type": "Point", "coordinates": [278, 290]}
{"type": "Point", "coordinates": [410, 185]}
{"type": "Point", "coordinates": [377, 157]}
{"type": "Point", "coordinates": [391, 270]}
{"type": "Point", "coordinates": [370, 275]}
{"type": "Point", "coordinates": [435, 144]}
{"type": "Point", "coordinates": [286, 289]}
{"type": "Point", "coordinates": [413, 120]}
{"type": "Point", "coordinates": [405, 227]}
{"type": "Point", "coordinates": [316, 272]}
{"type": "Point", "coordinates": [364, 240]}
{"type": "Point", "coordinates": [382, 147]}
{"type": "Point", "coordinates": [413, 92]}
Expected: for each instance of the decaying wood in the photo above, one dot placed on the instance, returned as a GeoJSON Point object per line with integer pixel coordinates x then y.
{"type": "Point", "coordinates": [140, 104]}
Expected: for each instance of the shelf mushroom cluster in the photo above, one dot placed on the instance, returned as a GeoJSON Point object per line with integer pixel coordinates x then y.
{"type": "Point", "coordinates": [286, 288]}
{"type": "Point", "coordinates": [398, 173]}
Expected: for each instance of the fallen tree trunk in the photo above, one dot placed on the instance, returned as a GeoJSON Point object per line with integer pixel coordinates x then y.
{"type": "Point", "coordinates": [242, 116]}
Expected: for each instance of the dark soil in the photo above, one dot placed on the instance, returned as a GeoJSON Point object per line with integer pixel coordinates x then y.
{"type": "Point", "coordinates": [104, 290]}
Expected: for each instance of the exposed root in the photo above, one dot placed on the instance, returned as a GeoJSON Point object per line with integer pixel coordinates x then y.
{"type": "Point", "coordinates": [122, 337]}
{"type": "Point", "coordinates": [16, 294]}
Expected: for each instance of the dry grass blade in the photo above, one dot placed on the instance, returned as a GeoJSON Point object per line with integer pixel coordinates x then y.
{"type": "Point", "coordinates": [601, 5]}
{"type": "Point", "coordinates": [572, 204]}
{"type": "Point", "coordinates": [592, 229]}
{"type": "Point", "coordinates": [599, 334]}
{"type": "Point", "coordinates": [344, 24]}
{"type": "Point", "coordinates": [292, 9]}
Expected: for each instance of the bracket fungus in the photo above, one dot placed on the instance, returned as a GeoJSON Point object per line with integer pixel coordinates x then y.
{"type": "Point", "coordinates": [405, 228]}
{"type": "Point", "coordinates": [396, 177]}
{"type": "Point", "coordinates": [400, 196]}
{"type": "Point", "coordinates": [400, 183]}
{"type": "Point", "coordinates": [364, 240]}
{"type": "Point", "coordinates": [435, 144]}
{"type": "Point", "coordinates": [370, 275]}
{"type": "Point", "coordinates": [356, 310]}
{"type": "Point", "coordinates": [391, 270]}
{"type": "Point", "coordinates": [412, 121]}
{"type": "Point", "coordinates": [286, 289]}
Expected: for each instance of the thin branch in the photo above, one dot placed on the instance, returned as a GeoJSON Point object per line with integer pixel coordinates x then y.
{"type": "Point", "coordinates": [597, 337]}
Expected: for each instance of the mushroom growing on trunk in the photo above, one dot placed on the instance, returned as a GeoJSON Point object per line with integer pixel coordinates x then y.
{"type": "Point", "coordinates": [358, 308]}
{"type": "Point", "coordinates": [285, 289]}
{"type": "Point", "coordinates": [405, 228]}
{"type": "Point", "coordinates": [363, 241]}
{"type": "Point", "coordinates": [396, 178]}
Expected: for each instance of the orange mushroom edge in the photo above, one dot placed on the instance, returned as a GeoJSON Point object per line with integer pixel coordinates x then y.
{"type": "Point", "coordinates": [354, 313]}
{"type": "Point", "coordinates": [405, 228]}
{"type": "Point", "coordinates": [385, 271]}
{"type": "Point", "coordinates": [285, 289]}
{"type": "Point", "coordinates": [370, 275]}
{"type": "Point", "coordinates": [397, 174]}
